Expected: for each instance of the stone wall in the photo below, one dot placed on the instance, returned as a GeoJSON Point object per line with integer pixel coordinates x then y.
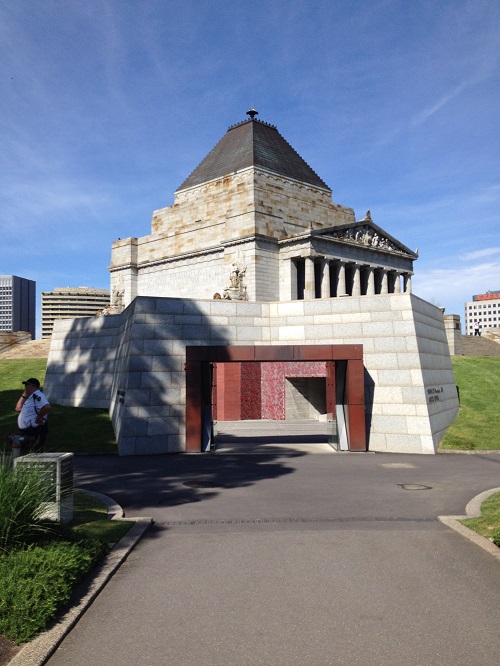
{"type": "Point", "coordinates": [133, 363]}
{"type": "Point", "coordinates": [82, 361]}
{"type": "Point", "coordinates": [241, 216]}
{"type": "Point", "coordinates": [453, 334]}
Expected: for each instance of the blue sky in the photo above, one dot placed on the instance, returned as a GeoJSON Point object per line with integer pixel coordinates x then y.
{"type": "Point", "coordinates": [107, 106]}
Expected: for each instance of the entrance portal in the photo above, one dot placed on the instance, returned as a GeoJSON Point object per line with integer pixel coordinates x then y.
{"type": "Point", "coordinates": [345, 403]}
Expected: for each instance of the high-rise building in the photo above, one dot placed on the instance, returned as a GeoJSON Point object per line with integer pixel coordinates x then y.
{"type": "Point", "coordinates": [71, 302]}
{"type": "Point", "coordinates": [17, 304]}
{"type": "Point", "coordinates": [483, 309]}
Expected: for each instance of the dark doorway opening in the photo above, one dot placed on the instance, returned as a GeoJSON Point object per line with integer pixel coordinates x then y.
{"type": "Point", "coordinates": [344, 387]}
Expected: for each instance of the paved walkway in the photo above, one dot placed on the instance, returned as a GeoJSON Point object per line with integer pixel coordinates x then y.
{"type": "Point", "coordinates": [306, 436]}
{"type": "Point", "coordinates": [288, 559]}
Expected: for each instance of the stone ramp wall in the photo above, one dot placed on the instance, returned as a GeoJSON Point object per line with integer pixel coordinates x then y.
{"type": "Point", "coordinates": [133, 363]}
{"type": "Point", "coordinates": [81, 361]}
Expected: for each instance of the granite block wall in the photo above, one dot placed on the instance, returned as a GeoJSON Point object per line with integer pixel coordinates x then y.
{"type": "Point", "coordinates": [133, 363]}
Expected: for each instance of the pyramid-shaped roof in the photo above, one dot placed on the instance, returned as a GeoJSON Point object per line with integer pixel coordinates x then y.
{"type": "Point", "coordinates": [253, 143]}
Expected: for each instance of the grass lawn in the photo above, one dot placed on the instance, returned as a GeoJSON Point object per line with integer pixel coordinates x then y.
{"type": "Point", "coordinates": [89, 520]}
{"type": "Point", "coordinates": [71, 429]}
{"type": "Point", "coordinates": [477, 426]}
{"type": "Point", "coordinates": [488, 525]}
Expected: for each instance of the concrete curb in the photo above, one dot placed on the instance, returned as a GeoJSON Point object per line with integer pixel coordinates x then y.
{"type": "Point", "coordinates": [473, 510]}
{"type": "Point", "coordinates": [38, 651]}
{"type": "Point", "coordinates": [475, 452]}
{"type": "Point", "coordinates": [115, 512]}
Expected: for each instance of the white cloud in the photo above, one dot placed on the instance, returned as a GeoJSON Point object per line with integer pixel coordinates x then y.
{"type": "Point", "coordinates": [424, 115]}
{"type": "Point", "coordinates": [480, 254]}
{"type": "Point", "coordinates": [452, 286]}
{"type": "Point", "coordinates": [45, 201]}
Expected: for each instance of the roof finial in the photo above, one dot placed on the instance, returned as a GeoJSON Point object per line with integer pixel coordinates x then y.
{"type": "Point", "coordinates": [252, 113]}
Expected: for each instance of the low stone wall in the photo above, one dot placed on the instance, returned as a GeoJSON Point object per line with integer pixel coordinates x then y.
{"type": "Point", "coordinates": [133, 363]}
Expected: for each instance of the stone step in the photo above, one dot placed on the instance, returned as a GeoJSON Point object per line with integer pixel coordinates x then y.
{"type": "Point", "coordinates": [30, 349]}
{"type": "Point", "coordinates": [475, 345]}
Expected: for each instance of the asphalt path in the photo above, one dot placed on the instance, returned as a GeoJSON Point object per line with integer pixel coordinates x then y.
{"type": "Point", "coordinates": [289, 558]}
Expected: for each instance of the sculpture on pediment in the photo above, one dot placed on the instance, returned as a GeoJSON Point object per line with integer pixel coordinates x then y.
{"type": "Point", "coordinates": [366, 235]}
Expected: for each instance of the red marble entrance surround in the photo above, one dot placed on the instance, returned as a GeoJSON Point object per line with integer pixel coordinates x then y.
{"type": "Point", "coordinates": [199, 358]}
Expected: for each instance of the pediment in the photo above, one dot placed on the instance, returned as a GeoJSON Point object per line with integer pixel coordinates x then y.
{"type": "Point", "coordinates": [367, 233]}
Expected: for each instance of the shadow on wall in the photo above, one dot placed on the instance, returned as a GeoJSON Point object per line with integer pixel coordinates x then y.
{"type": "Point", "coordinates": [369, 397]}
{"type": "Point", "coordinates": [133, 365]}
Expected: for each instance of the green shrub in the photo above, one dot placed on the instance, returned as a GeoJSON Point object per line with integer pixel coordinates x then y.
{"type": "Point", "coordinates": [22, 492]}
{"type": "Point", "coordinates": [36, 582]}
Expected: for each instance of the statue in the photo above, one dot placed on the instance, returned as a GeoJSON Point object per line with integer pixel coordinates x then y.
{"type": "Point", "coordinates": [237, 290]}
{"type": "Point", "coordinates": [118, 293]}
{"type": "Point", "coordinates": [236, 276]}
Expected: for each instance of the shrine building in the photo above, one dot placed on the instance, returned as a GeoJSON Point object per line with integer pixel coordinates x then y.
{"type": "Point", "coordinates": [257, 297]}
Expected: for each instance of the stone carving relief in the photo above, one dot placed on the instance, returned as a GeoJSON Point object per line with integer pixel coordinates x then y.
{"type": "Point", "coordinates": [365, 234]}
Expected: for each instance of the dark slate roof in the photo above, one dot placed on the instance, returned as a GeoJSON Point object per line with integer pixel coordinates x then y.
{"type": "Point", "coordinates": [253, 143]}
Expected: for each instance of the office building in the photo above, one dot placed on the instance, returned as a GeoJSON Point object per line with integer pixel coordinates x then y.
{"type": "Point", "coordinates": [485, 309]}
{"type": "Point", "coordinates": [17, 304]}
{"type": "Point", "coordinates": [70, 303]}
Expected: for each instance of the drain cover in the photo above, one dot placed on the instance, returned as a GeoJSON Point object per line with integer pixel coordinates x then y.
{"type": "Point", "coordinates": [414, 486]}
{"type": "Point", "coordinates": [201, 483]}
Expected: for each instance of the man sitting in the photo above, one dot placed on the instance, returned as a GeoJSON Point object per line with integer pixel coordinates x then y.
{"type": "Point", "coordinates": [33, 408]}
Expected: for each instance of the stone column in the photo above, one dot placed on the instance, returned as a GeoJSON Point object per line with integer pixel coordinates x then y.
{"type": "Point", "coordinates": [397, 283]}
{"type": "Point", "coordinates": [290, 291]}
{"type": "Point", "coordinates": [384, 287]}
{"type": "Point", "coordinates": [341, 280]}
{"type": "Point", "coordinates": [356, 281]}
{"type": "Point", "coordinates": [407, 283]}
{"type": "Point", "coordinates": [370, 287]}
{"type": "Point", "coordinates": [309, 291]}
{"type": "Point", "coordinates": [325, 279]}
